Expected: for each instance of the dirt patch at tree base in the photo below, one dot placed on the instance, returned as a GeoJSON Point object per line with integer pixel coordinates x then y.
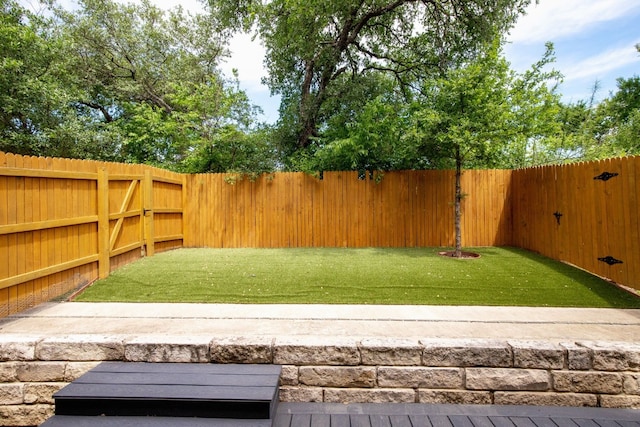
{"type": "Point", "coordinates": [465, 255]}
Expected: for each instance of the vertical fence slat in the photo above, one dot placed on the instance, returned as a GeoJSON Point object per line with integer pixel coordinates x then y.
{"type": "Point", "coordinates": [149, 234]}
{"type": "Point", "coordinates": [632, 225]}
{"type": "Point", "coordinates": [103, 224]}
{"type": "Point", "coordinates": [4, 240]}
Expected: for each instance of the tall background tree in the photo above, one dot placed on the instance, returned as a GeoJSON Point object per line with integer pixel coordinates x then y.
{"type": "Point", "coordinates": [318, 50]}
{"type": "Point", "coordinates": [126, 82]}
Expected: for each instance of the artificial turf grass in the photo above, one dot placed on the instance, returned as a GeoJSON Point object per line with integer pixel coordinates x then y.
{"type": "Point", "coordinates": [501, 276]}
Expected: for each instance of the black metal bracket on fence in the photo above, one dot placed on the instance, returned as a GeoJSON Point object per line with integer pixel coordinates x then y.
{"type": "Point", "coordinates": [606, 176]}
{"type": "Point", "coordinates": [558, 215]}
{"type": "Point", "coordinates": [610, 260]}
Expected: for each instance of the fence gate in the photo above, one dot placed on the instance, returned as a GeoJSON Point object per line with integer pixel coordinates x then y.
{"type": "Point", "coordinates": [126, 217]}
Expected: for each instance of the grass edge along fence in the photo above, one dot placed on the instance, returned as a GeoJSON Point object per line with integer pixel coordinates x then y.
{"type": "Point", "coordinates": [64, 223]}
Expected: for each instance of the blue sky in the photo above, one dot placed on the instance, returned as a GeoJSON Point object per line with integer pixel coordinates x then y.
{"type": "Point", "coordinates": [594, 40]}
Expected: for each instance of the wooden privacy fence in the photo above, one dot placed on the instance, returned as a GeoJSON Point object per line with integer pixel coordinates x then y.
{"type": "Point", "coordinates": [64, 223]}
{"type": "Point", "coordinates": [399, 209]}
{"type": "Point", "coordinates": [586, 214]}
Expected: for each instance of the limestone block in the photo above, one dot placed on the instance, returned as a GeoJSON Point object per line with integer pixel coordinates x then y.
{"type": "Point", "coordinates": [631, 384]}
{"type": "Point", "coordinates": [507, 379]}
{"type": "Point", "coordinates": [242, 350]}
{"type": "Point", "coordinates": [301, 394]}
{"type": "Point", "coordinates": [579, 358]}
{"type": "Point", "coordinates": [289, 375]}
{"type": "Point", "coordinates": [609, 356]}
{"type": "Point", "coordinates": [41, 392]}
{"type": "Point", "coordinates": [588, 382]}
{"type": "Point", "coordinates": [316, 351]}
{"type": "Point", "coordinates": [8, 372]}
{"type": "Point", "coordinates": [466, 352]}
{"type": "Point", "coordinates": [11, 394]}
{"type": "Point", "coordinates": [16, 347]}
{"type": "Point", "coordinates": [463, 397]}
{"type": "Point", "coordinates": [631, 402]}
{"type": "Point", "coordinates": [537, 355]}
{"type": "Point", "coordinates": [393, 352]}
{"type": "Point", "coordinates": [545, 399]}
{"type": "Point", "coordinates": [25, 415]}
{"type": "Point", "coordinates": [338, 376]}
{"type": "Point", "coordinates": [41, 371]}
{"type": "Point", "coordinates": [183, 349]}
{"type": "Point", "coordinates": [372, 395]}
{"type": "Point", "coordinates": [418, 377]}
{"type": "Point", "coordinates": [80, 348]}
{"type": "Point", "coordinates": [76, 369]}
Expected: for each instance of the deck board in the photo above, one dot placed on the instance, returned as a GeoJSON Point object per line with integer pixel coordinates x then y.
{"type": "Point", "coordinates": [93, 421]}
{"type": "Point", "coordinates": [413, 415]}
{"type": "Point", "coordinates": [173, 390]}
{"type": "Point", "coordinates": [387, 415]}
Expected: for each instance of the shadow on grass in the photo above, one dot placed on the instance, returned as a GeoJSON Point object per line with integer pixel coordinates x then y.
{"type": "Point", "coordinates": [604, 289]}
{"type": "Point", "coordinates": [614, 295]}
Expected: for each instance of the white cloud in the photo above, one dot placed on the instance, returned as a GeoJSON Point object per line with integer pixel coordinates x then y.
{"type": "Point", "coordinates": [598, 65]}
{"type": "Point", "coordinates": [247, 57]}
{"type": "Point", "coordinates": [553, 19]}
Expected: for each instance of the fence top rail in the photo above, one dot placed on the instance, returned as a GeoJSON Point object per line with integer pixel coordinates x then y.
{"type": "Point", "coordinates": [167, 180]}
{"type": "Point", "coordinates": [45, 173]}
{"type": "Point", "coordinates": [90, 176]}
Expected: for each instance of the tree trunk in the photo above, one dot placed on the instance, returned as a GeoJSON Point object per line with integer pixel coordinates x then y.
{"type": "Point", "coordinates": [458, 207]}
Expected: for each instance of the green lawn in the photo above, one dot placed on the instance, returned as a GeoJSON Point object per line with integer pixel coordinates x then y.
{"type": "Point", "coordinates": [501, 276]}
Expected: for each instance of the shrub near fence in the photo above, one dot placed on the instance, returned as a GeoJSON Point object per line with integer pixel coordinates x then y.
{"type": "Point", "coordinates": [64, 223]}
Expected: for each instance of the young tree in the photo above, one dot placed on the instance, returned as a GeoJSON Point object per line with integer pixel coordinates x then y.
{"type": "Point", "coordinates": [469, 116]}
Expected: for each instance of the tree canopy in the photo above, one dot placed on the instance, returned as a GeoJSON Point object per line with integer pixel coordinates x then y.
{"type": "Point", "coordinates": [375, 85]}
{"type": "Point", "coordinates": [318, 49]}
{"type": "Point", "coordinates": [128, 82]}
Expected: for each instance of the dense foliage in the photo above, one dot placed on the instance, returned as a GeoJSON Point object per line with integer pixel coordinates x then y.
{"type": "Point", "coordinates": [376, 85]}
{"type": "Point", "coordinates": [130, 83]}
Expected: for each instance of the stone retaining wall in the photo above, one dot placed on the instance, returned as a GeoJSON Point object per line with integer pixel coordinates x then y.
{"type": "Point", "coordinates": [602, 374]}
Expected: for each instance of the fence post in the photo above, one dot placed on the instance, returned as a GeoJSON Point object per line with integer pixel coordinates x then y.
{"type": "Point", "coordinates": [103, 224]}
{"type": "Point", "coordinates": [149, 232]}
{"type": "Point", "coordinates": [185, 195]}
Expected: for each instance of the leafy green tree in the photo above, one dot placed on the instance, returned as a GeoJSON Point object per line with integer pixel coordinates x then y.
{"type": "Point", "coordinates": [617, 127]}
{"type": "Point", "coordinates": [317, 49]}
{"type": "Point", "coordinates": [471, 115]}
{"type": "Point", "coordinates": [124, 82]}
{"type": "Point", "coordinates": [593, 131]}
{"type": "Point", "coordinates": [150, 73]}
{"type": "Point", "coordinates": [32, 99]}
{"type": "Point", "coordinates": [365, 131]}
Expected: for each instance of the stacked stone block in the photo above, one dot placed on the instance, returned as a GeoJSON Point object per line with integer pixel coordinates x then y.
{"type": "Point", "coordinates": [342, 370]}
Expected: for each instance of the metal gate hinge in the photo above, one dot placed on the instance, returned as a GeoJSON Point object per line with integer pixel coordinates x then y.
{"type": "Point", "coordinates": [610, 260]}
{"type": "Point", "coordinates": [606, 176]}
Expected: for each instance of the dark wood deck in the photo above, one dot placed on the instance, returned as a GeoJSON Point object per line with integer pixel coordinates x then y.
{"type": "Point", "coordinates": [418, 415]}
{"type": "Point", "coordinates": [386, 415]}
{"type": "Point", "coordinates": [173, 390]}
{"type": "Point", "coordinates": [193, 395]}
